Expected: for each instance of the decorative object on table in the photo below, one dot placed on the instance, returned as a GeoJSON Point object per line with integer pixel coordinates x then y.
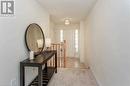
{"type": "Point", "coordinates": [34, 38]}
{"type": "Point", "coordinates": [48, 43]}
{"type": "Point", "coordinates": [31, 55]}
{"type": "Point", "coordinates": [40, 44]}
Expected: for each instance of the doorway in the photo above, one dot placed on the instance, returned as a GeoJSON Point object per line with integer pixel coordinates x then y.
{"type": "Point", "coordinates": [71, 35]}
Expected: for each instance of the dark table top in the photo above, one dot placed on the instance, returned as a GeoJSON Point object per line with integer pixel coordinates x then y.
{"type": "Point", "coordinates": [40, 59]}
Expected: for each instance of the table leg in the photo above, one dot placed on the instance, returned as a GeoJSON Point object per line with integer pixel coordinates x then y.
{"type": "Point", "coordinates": [46, 67]}
{"type": "Point", "coordinates": [55, 62]}
{"type": "Point", "coordinates": [22, 78]}
{"type": "Point", "coordinates": [40, 76]}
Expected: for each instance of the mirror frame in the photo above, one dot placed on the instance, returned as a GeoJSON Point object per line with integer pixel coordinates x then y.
{"type": "Point", "coordinates": [38, 53]}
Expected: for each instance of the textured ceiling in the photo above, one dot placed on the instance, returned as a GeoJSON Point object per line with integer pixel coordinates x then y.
{"type": "Point", "coordinates": [61, 9]}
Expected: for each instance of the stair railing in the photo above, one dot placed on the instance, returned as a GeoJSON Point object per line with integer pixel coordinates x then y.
{"type": "Point", "coordinates": [61, 54]}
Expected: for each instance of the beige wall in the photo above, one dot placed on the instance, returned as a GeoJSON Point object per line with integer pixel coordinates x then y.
{"type": "Point", "coordinates": [52, 31]}
{"type": "Point", "coordinates": [82, 41]}
{"type": "Point", "coordinates": [108, 42]}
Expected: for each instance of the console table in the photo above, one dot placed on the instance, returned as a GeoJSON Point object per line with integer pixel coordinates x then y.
{"type": "Point", "coordinates": [44, 75]}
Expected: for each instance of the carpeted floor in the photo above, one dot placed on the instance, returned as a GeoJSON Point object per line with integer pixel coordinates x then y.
{"type": "Point", "coordinates": [73, 77]}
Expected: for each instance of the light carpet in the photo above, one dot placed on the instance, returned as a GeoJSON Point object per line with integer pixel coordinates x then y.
{"type": "Point", "coordinates": [73, 77]}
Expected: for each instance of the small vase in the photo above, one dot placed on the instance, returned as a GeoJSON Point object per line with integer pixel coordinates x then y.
{"type": "Point", "coordinates": [31, 55]}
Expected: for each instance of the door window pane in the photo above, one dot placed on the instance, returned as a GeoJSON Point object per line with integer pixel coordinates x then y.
{"type": "Point", "coordinates": [76, 40]}
{"type": "Point", "coordinates": [61, 35]}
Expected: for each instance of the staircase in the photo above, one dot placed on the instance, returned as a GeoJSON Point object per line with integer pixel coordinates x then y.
{"type": "Point", "coordinates": [61, 54]}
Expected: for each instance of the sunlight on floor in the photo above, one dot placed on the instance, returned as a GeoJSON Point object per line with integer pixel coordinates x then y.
{"type": "Point", "coordinates": [74, 63]}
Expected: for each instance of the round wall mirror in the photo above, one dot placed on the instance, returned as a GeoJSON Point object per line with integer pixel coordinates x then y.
{"type": "Point", "coordinates": [34, 38]}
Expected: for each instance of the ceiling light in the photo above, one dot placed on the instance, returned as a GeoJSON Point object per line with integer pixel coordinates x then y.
{"type": "Point", "coordinates": [67, 21]}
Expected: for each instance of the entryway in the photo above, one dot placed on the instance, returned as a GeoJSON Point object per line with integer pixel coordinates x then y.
{"type": "Point", "coordinates": [71, 36]}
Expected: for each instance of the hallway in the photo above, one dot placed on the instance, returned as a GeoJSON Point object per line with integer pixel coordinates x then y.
{"type": "Point", "coordinates": [74, 74]}
{"type": "Point", "coordinates": [74, 63]}
{"type": "Point", "coordinates": [98, 35]}
{"type": "Point", "coordinates": [73, 77]}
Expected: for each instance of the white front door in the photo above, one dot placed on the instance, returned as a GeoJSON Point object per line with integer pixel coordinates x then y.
{"type": "Point", "coordinates": [69, 37]}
